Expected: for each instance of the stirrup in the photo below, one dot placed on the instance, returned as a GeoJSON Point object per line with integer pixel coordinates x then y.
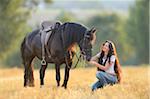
{"type": "Point", "coordinates": [43, 62]}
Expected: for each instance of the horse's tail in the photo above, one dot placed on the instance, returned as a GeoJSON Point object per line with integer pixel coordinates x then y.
{"type": "Point", "coordinates": [23, 48]}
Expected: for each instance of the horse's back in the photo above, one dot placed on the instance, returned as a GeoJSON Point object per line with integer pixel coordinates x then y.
{"type": "Point", "coordinates": [32, 34]}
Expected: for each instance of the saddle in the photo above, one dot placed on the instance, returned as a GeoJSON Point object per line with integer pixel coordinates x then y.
{"type": "Point", "coordinates": [47, 27]}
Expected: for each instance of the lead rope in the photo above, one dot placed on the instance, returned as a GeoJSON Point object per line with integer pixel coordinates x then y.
{"type": "Point", "coordinates": [77, 60]}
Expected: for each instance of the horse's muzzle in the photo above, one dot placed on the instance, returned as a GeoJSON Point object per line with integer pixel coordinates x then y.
{"type": "Point", "coordinates": [88, 58]}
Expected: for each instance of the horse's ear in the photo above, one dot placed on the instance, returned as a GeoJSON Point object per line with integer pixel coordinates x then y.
{"type": "Point", "coordinates": [93, 30]}
{"type": "Point", "coordinates": [93, 35]}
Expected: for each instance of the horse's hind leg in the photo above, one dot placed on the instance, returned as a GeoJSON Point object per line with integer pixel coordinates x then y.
{"type": "Point", "coordinates": [57, 68]}
{"type": "Point", "coordinates": [26, 80]}
{"type": "Point", "coordinates": [42, 74]}
{"type": "Point", "coordinates": [28, 72]}
{"type": "Point", "coordinates": [31, 76]}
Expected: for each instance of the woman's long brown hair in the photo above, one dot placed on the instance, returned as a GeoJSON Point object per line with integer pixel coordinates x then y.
{"type": "Point", "coordinates": [117, 66]}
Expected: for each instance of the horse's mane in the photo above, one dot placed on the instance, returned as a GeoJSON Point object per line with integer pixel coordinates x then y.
{"type": "Point", "coordinates": [72, 24]}
{"type": "Point", "coordinates": [71, 29]}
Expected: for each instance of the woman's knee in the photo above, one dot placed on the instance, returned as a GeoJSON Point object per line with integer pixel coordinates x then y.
{"type": "Point", "coordinates": [100, 74]}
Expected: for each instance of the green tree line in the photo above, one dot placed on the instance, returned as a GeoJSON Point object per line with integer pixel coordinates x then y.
{"type": "Point", "coordinates": [137, 28]}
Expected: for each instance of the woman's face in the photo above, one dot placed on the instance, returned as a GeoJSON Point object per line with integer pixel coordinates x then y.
{"type": "Point", "coordinates": [105, 47]}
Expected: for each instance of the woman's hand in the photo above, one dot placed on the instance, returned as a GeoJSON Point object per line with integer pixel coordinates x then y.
{"type": "Point", "coordinates": [97, 65]}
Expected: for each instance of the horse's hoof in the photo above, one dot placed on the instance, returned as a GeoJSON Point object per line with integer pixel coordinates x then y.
{"type": "Point", "coordinates": [25, 86]}
{"type": "Point", "coordinates": [41, 86]}
{"type": "Point", "coordinates": [31, 85]}
{"type": "Point", "coordinates": [64, 86]}
{"type": "Point", "coordinates": [58, 84]}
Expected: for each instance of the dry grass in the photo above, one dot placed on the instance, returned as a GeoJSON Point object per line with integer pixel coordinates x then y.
{"type": "Point", "coordinates": [134, 86]}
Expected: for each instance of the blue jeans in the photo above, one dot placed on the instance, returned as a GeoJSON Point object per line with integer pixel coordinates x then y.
{"type": "Point", "coordinates": [103, 79]}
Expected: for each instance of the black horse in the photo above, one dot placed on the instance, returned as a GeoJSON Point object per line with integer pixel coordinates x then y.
{"type": "Point", "coordinates": [61, 39]}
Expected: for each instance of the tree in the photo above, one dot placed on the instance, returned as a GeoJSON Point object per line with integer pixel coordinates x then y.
{"type": "Point", "coordinates": [66, 17]}
{"type": "Point", "coordinates": [138, 30]}
{"type": "Point", "coordinates": [13, 18]}
{"type": "Point", "coordinates": [110, 27]}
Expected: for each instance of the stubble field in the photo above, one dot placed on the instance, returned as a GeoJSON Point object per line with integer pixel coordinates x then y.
{"type": "Point", "coordinates": [135, 85]}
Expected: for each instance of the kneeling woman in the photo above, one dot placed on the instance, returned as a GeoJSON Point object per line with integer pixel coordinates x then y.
{"type": "Point", "coordinates": [107, 63]}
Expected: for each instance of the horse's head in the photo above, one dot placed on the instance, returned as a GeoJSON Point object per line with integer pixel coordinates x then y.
{"type": "Point", "coordinates": [86, 44]}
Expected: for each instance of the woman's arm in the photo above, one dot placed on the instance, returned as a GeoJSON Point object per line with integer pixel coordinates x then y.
{"type": "Point", "coordinates": [95, 58]}
{"type": "Point", "coordinates": [107, 65]}
{"type": "Point", "coordinates": [101, 66]}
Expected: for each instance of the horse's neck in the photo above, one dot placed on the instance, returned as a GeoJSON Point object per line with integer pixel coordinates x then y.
{"type": "Point", "coordinates": [72, 33]}
{"type": "Point", "coordinates": [72, 39]}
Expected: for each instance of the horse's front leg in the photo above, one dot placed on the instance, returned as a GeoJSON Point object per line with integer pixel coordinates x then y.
{"type": "Point", "coordinates": [66, 77]}
{"type": "Point", "coordinates": [57, 68]}
{"type": "Point", "coordinates": [42, 74]}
